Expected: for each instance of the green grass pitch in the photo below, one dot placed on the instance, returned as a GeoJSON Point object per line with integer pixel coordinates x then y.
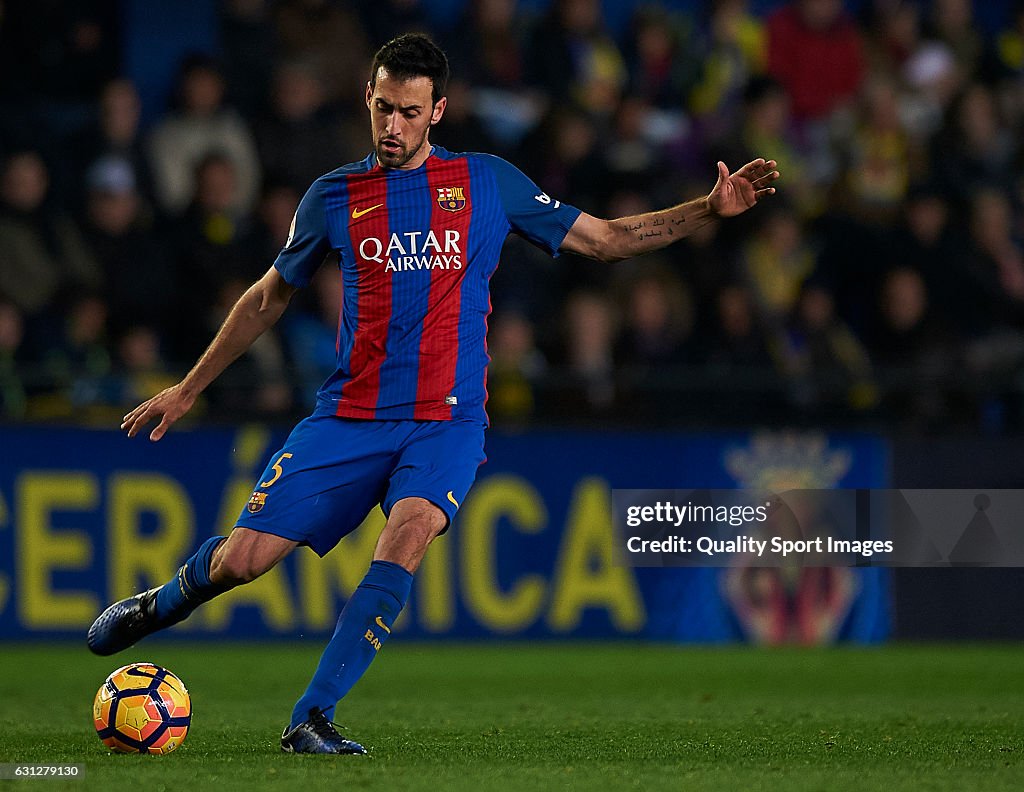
{"type": "Point", "coordinates": [556, 716]}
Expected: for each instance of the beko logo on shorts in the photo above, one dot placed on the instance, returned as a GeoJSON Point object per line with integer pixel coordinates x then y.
{"type": "Point", "coordinates": [414, 250]}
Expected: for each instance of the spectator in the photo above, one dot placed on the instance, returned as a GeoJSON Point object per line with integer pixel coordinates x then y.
{"type": "Point", "coordinates": [563, 155]}
{"type": "Point", "coordinates": [913, 353]}
{"type": "Point", "coordinates": [658, 320]}
{"type": "Point", "coordinates": [735, 342]}
{"type": "Point", "coordinates": [935, 80]}
{"type": "Point", "coordinates": [137, 279]}
{"type": "Point", "coordinates": [202, 124]}
{"type": "Point", "coordinates": [331, 38]}
{"type": "Point", "coordinates": [878, 157]}
{"type": "Point", "coordinates": [655, 342]}
{"type": "Point", "coordinates": [13, 397]}
{"type": "Point", "coordinates": [274, 222]}
{"type": "Point", "coordinates": [311, 335]}
{"type": "Point", "coordinates": [661, 60]}
{"type": "Point", "coordinates": [631, 154]}
{"type": "Point", "coordinates": [993, 292]}
{"type": "Point", "coordinates": [907, 334]}
{"type": "Point", "coordinates": [739, 367]}
{"type": "Point", "coordinates": [487, 49]}
{"type": "Point", "coordinates": [43, 252]}
{"type": "Point", "coordinates": [516, 364]}
{"type": "Point", "coordinates": [249, 43]}
{"type": "Point", "coordinates": [708, 260]}
{"type": "Point", "coordinates": [952, 23]}
{"type": "Point", "coordinates": [462, 130]}
{"type": "Point", "coordinates": [589, 334]}
{"type": "Point", "coordinates": [975, 148]}
{"type": "Point", "coordinates": [257, 383]}
{"type": "Point", "coordinates": [487, 45]}
{"type": "Point", "coordinates": [142, 372]}
{"type": "Point", "coordinates": [76, 364]}
{"type": "Point", "coordinates": [828, 368]}
{"type": "Point", "coordinates": [575, 59]}
{"type": "Point", "coordinates": [736, 52]}
{"type": "Point", "coordinates": [213, 245]}
{"type": "Point", "coordinates": [774, 265]}
{"type": "Point", "coordinates": [766, 124]}
{"type": "Point", "coordinates": [116, 135]}
{"type": "Point", "coordinates": [527, 281]}
{"type": "Point", "coordinates": [302, 138]}
{"type": "Point", "coordinates": [816, 51]}
{"type": "Point", "coordinates": [63, 51]}
{"type": "Point", "coordinates": [929, 242]}
{"type": "Point", "coordinates": [1008, 47]}
{"type": "Point", "coordinates": [893, 35]}
{"type": "Point", "coordinates": [54, 57]}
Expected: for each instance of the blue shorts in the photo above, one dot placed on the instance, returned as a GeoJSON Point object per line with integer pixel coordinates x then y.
{"type": "Point", "coordinates": [332, 471]}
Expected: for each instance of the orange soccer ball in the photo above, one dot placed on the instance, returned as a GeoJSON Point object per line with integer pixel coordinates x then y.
{"type": "Point", "coordinates": [142, 708]}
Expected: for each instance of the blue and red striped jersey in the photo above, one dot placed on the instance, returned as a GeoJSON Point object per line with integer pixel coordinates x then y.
{"type": "Point", "coordinates": [416, 251]}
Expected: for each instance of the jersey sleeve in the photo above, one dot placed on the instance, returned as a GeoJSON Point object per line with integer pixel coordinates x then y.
{"type": "Point", "coordinates": [531, 212]}
{"type": "Point", "coordinates": [308, 243]}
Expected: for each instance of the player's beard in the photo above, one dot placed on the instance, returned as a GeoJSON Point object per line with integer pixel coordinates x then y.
{"type": "Point", "coordinates": [396, 159]}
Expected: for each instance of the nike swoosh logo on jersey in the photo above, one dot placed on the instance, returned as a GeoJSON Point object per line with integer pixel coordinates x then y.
{"type": "Point", "coordinates": [357, 213]}
{"type": "Point", "coordinates": [382, 625]}
{"type": "Point", "coordinates": [451, 497]}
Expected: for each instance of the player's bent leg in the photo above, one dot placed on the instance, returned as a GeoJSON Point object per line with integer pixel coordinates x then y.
{"type": "Point", "coordinates": [364, 626]}
{"type": "Point", "coordinates": [217, 566]}
{"type": "Point", "coordinates": [412, 525]}
{"type": "Point", "coordinates": [246, 555]}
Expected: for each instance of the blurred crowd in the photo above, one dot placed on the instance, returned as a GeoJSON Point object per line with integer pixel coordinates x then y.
{"type": "Point", "coordinates": [882, 286]}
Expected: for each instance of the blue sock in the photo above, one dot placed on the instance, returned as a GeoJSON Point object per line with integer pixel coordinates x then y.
{"type": "Point", "coordinates": [190, 587]}
{"type": "Point", "coordinates": [363, 626]}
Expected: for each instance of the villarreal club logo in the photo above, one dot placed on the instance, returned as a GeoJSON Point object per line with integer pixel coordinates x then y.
{"type": "Point", "coordinates": [451, 199]}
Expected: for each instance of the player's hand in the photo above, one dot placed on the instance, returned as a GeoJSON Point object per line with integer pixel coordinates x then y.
{"type": "Point", "coordinates": [168, 405]}
{"type": "Point", "coordinates": [734, 193]}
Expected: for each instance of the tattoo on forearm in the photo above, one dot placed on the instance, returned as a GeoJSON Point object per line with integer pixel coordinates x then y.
{"type": "Point", "coordinates": [663, 224]}
{"type": "Point", "coordinates": [667, 224]}
{"type": "Point", "coordinates": [635, 228]}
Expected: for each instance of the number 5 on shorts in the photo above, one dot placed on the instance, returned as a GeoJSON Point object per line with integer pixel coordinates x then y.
{"type": "Point", "coordinates": [277, 470]}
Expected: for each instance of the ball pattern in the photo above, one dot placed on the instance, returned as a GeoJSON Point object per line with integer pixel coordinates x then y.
{"type": "Point", "coordinates": [142, 708]}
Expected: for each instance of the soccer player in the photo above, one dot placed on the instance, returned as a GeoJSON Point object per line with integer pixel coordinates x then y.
{"type": "Point", "coordinates": [417, 231]}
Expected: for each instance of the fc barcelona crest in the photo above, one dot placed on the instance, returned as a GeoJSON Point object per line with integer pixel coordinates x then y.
{"type": "Point", "coordinates": [451, 199]}
{"type": "Point", "coordinates": [256, 502]}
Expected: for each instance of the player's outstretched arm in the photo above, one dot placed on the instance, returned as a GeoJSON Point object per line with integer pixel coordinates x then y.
{"type": "Point", "coordinates": [256, 311]}
{"type": "Point", "coordinates": [615, 240]}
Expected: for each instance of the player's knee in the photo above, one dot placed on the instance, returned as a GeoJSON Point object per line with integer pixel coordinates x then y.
{"type": "Point", "coordinates": [421, 527]}
{"type": "Point", "coordinates": [234, 569]}
{"type": "Point", "coordinates": [409, 532]}
{"type": "Point", "coordinates": [246, 555]}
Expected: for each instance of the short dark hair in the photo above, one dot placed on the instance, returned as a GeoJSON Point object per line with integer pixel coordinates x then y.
{"type": "Point", "coordinates": [413, 55]}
